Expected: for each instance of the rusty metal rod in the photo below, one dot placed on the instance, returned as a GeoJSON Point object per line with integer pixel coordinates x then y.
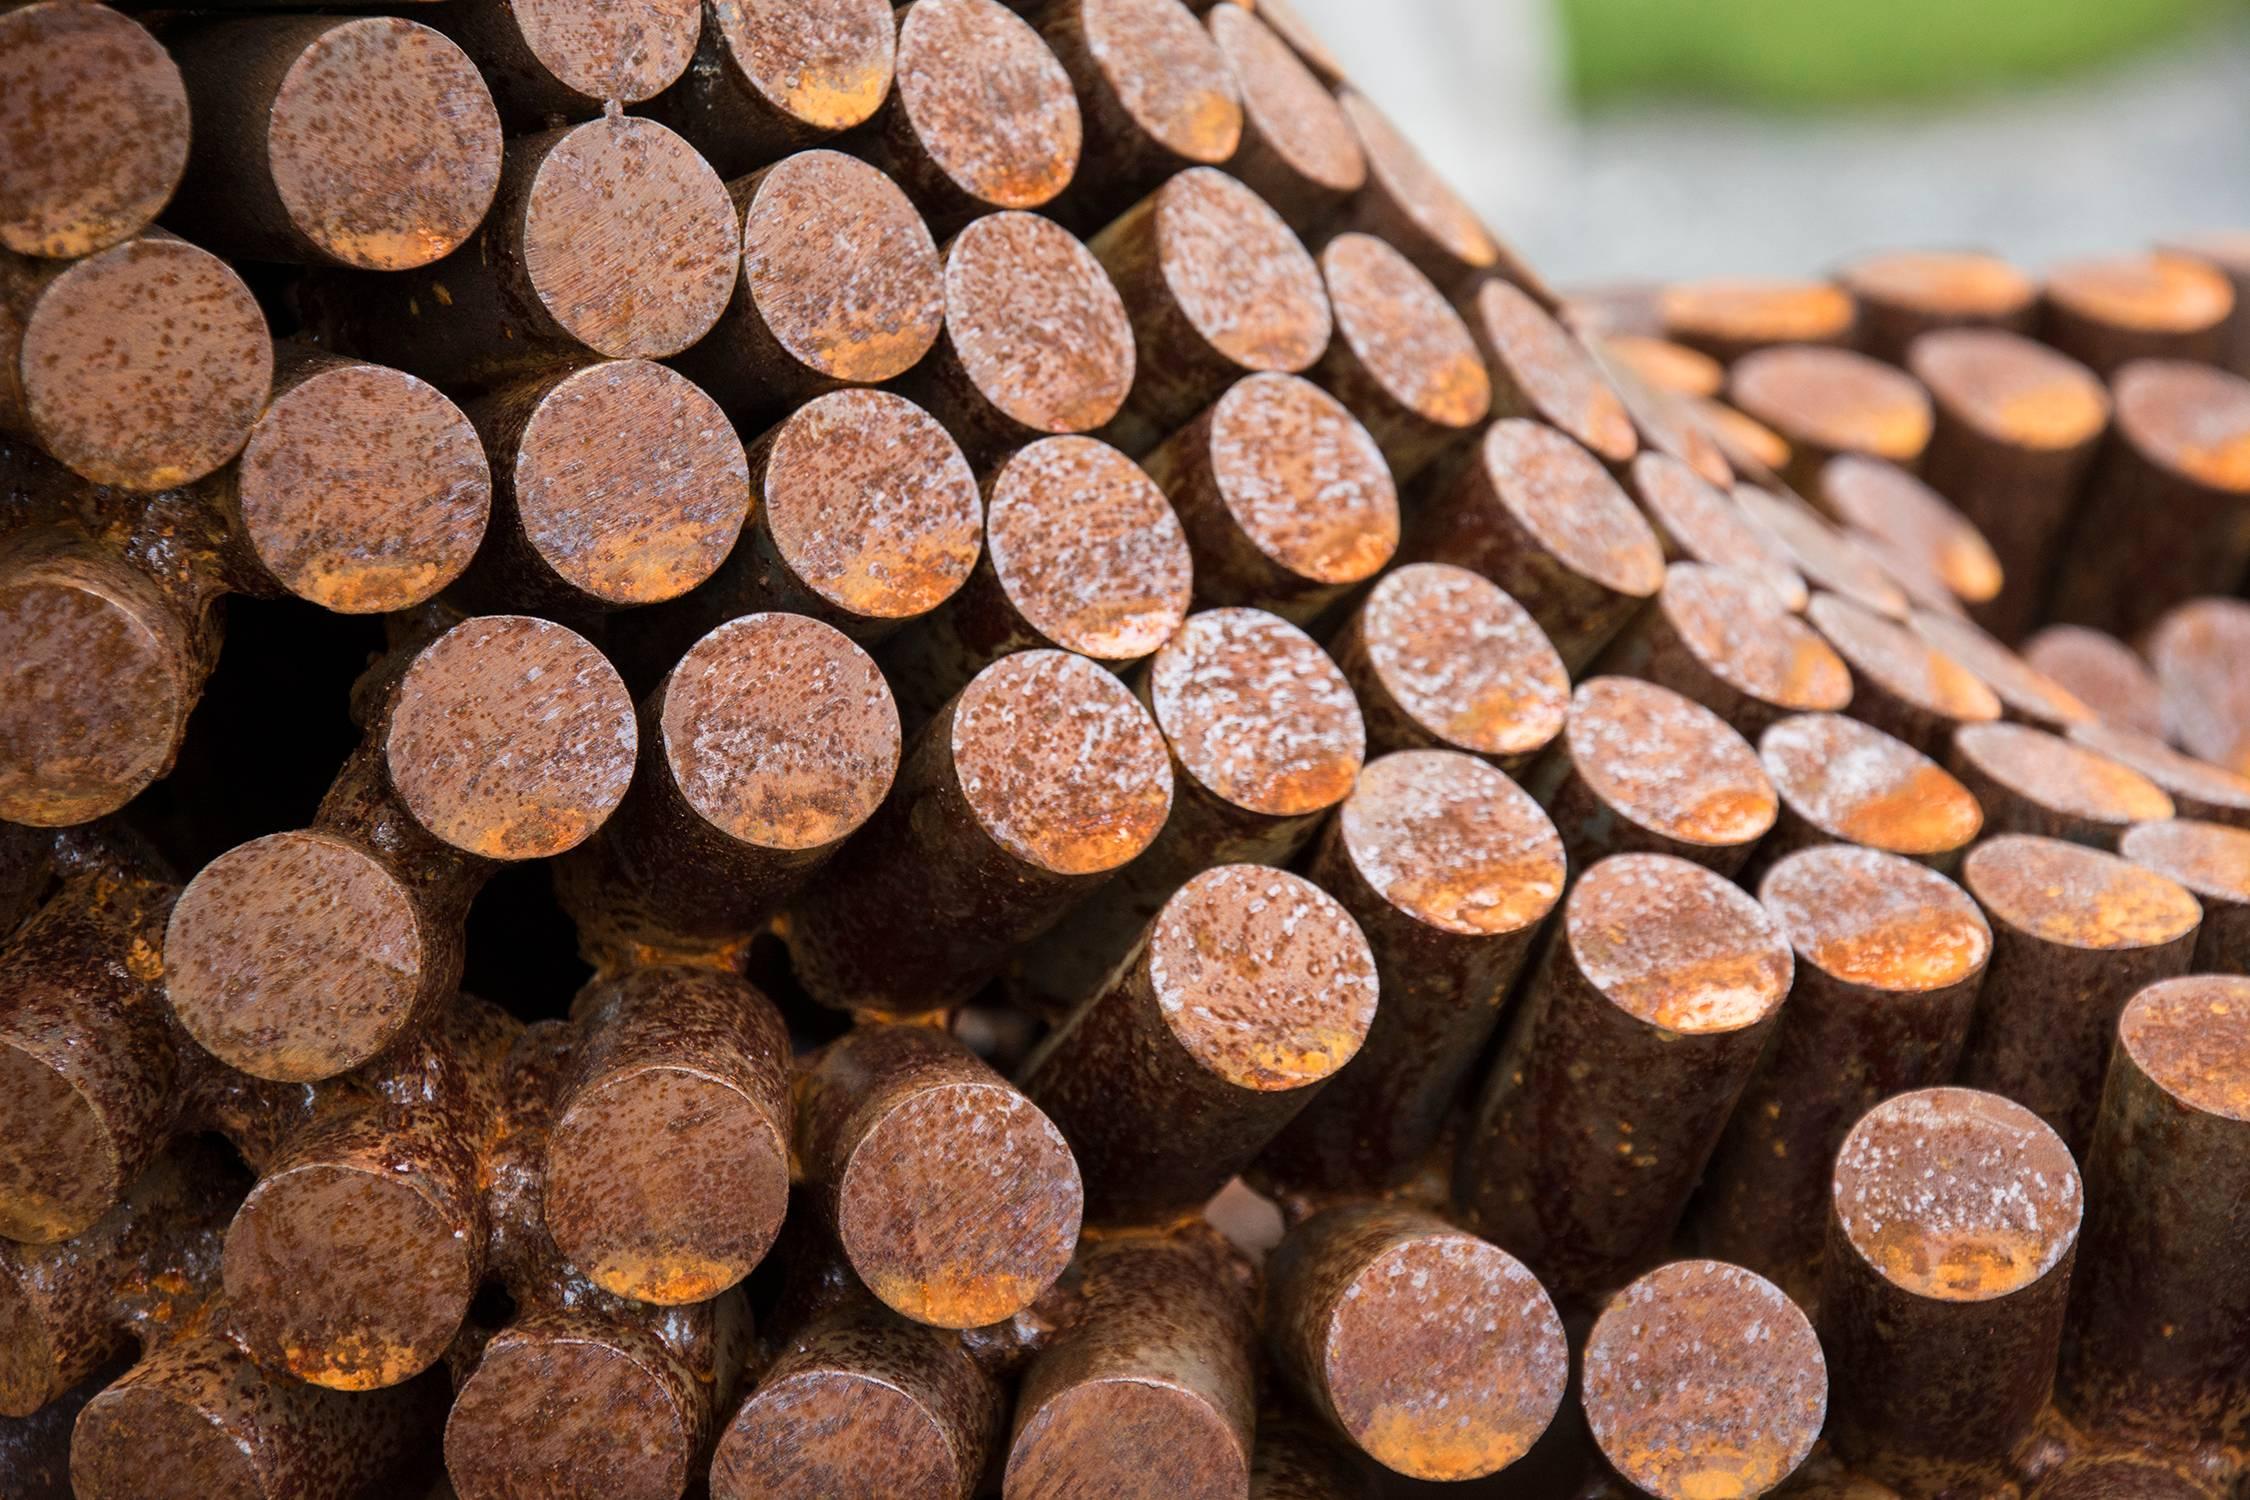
{"type": "Point", "coordinates": [1841, 781]}
{"type": "Point", "coordinates": [1903, 294]}
{"type": "Point", "coordinates": [1401, 358]}
{"type": "Point", "coordinates": [769, 80]}
{"type": "Point", "coordinates": [2102, 672]}
{"type": "Point", "coordinates": [2112, 310]}
{"type": "Point", "coordinates": [1729, 319]}
{"type": "Point", "coordinates": [1297, 149]}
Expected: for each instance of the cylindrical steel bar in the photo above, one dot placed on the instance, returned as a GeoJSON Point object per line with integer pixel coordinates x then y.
{"type": "Point", "coordinates": [768, 79]}
{"type": "Point", "coordinates": [1082, 552]}
{"type": "Point", "coordinates": [1755, 450]}
{"type": "Point", "coordinates": [1308, 44]}
{"type": "Point", "coordinates": [1217, 286]}
{"type": "Point", "coordinates": [1890, 957]}
{"type": "Point", "coordinates": [1150, 1389]}
{"type": "Point", "coordinates": [140, 366]}
{"type": "Point", "coordinates": [1029, 788]}
{"type": "Point", "coordinates": [1641, 1027]}
{"type": "Point", "coordinates": [1294, 1460]}
{"type": "Point", "coordinates": [1903, 294]}
{"type": "Point", "coordinates": [2121, 1476]}
{"type": "Point", "coordinates": [1697, 522]}
{"type": "Point", "coordinates": [1541, 517]}
{"type": "Point", "coordinates": [2212, 861]}
{"type": "Point", "coordinates": [365, 141]}
{"type": "Point", "coordinates": [1155, 94]}
{"type": "Point", "coordinates": [1408, 204]}
{"type": "Point", "coordinates": [1952, 1227]}
{"type": "Point", "coordinates": [1901, 684]}
{"type": "Point", "coordinates": [2228, 252]}
{"type": "Point", "coordinates": [668, 1163]}
{"type": "Point", "coordinates": [1449, 869]}
{"type": "Point", "coordinates": [1251, 989]}
{"type": "Point", "coordinates": [2030, 781]}
{"type": "Point", "coordinates": [1721, 639]}
{"type": "Point", "coordinates": [2151, 306]}
{"type": "Point", "coordinates": [1704, 1379]}
{"type": "Point", "coordinates": [1297, 150]}
{"type": "Point", "coordinates": [1841, 781]}
{"type": "Point", "coordinates": [2076, 933]}
{"type": "Point", "coordinates": [1729, 319]}
{"type": "Point", "coordinates": [2197, 788]}
{"type": "Point", "coordinates": [1264, 739]}
{"type": "Point", "coordinates": [805, 319]}
{"type": "Point", "coordinates": [1539, 370]}
{"type": "Point", "coordinates": [1401, 357]}
{"type": "Point", "coordinates": [2016, 429]}
{"type": "Point", "coordinates": [1664, 364]}
{"type": "Point", "coordinates": [1824, 402]}
{"type": "Point", "coordinates": [1436, 1353]}
{"type": "Point", "coordinates": [1825, 557]}
{"type": "Point", "coordinates": [1669, 424]}
{"type": "Point", "coordinates": [611, 238]}
{"type": "Point", "coordinates": [1036, 340]}
{"type": "Point", "coordinates": [1641, 769]}
{"type": "Point", "coordinates": [568, 59]}
{"type": "Point", "coordinates": [2103, 673]}
{"type": "Point", "coordinates": [506, 738]}
{"type": "Point", "coordinates": [1885, 501]}
{"type": "Point", "coordinates": [2167, 511]}
{"type": "Point", "coordinates": [2162, 1305]}
{"type": "Point", "coordinates": [1285, 498]}
{"type": "Point", "coordinates": [954, 1198]}
{"type": "Point", "coordinates": [2199, 650]}
{"type": "Point", "coordinates": [615, 484]}
{"type": "Point", "coordinates": [96, 121]}
{"type": "Point", "coordinates": [771, 742]}
{"type": "Point", "coordinates": [982, 116]}
{"type": "Point", "coordinates": [1443, 659]}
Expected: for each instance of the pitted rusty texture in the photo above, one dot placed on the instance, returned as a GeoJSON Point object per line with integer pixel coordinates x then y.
{"type": "Point", "coordinates": [1903, 294]}
{"type": "Point", "coordinates": [1839, 780]}
{"type": "Point", "coordinates": [1450, 869]}
{"type": "Point", "coordinates": [955, 1200]}
{"type": "Point", "coordinates": [2076, 933]}
{"type": "Point", "coordinates": [2188, 420]}
{"type": "Point", "coordinates": [1828, 401]}
{"type": "Point", "coordinates": [1298, 150]}
{"type": "Point", "coordinates": [629, 240]}
{"type": "Point", "coordinates": [667, 1169]}
{"type": "Point", "coordinates": [1410, 204]}
{"type": "Point", "coordinates": [1437, 1354]}
{"type": "Point", "coordinates": [2030, 781]}
{"type": "Point", "coordinates": [1641, 768]}
{"type": "Point", "coordinates": [983, 107]}
{"type": "Point", "coordinates": [822, 66]}
{"type": "Point", "coordinates": [869, 506]}
{"type": "Point", "coordinates": [2103, 673]}
{"type": "Point", "coordinates": [1539, 370]}
{"type": "Point", "coordinates": [1671, 424]}
{"type": "Point", "coordinates": [1696, 521]}
{"type": "Point", "coordinates": [1285, 498]}
{"type": "Point", "coordinates": [2011, 390]}
{"type": "Point", "coordinates": [1160, 95]}
{"type": "Point", "coordinates": [361, 489]}
{"type": "Point", "coordinates": [1401, 358]}
{"type": "Point", "coordinates": [1887, 502]}
{"type": "Point", "coordinates": [2124, 307]}
{"type": "Point", "coordinates": [96, 122]}
{"type": "Point", "coordinates": [1311, 48]}
{"type": "Point", "coordinates": [1703, 1379]}
{"type": "Point", "coordinates": [2197, 788]}
{"type": "Point", "coordinates": [1664, 364]}
{"type": "Point", "coordinates": [1951, 1234]}
{"type": "Point", "coordinates": [1824, 556]}
{"type": "Point", "coordinates": [625, 483]}
{"type": "Point", "coordinates": [142, 366]}
{"type": "Point", "coordinates": [1675, 949]}
{"type": "Point", "coordinates": [602, 52]}
{"type": "Point", "coordinates": [1901, 684]}
{"type": "Point", "coordinates": [1722, 639]}
{"type": "Point", "coordinates": [1037, 331]}
{"type": "Point", "coordinates": [1728, 319]}
{"type": "Point", "coordinates": [1890, 958]}
{"type": "Point", "coordinates": [2121, 1476]}
{"type": "Point", "coordinates": [2198, 650]}
{"type": "Point", "coordinates": [1444, 659]}
{"type": "Point", "coordinates": [1256, 713]}
{"type": "Point", "coordinates": [2026, 694]}
{"type": "Point", "coordinates": [510, 738]}
{"type": "Point", "coordinates": [1087, 549]}
{"type": "Point", "coordinates": [2212, 861]}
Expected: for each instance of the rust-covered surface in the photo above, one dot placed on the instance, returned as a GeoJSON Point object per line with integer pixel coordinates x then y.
{"type": "Point", "coordinates": [1408, 204]}
{"type": "Point", "coordinates": [1698, 522]}
{"type": "Point", "coordinates": [1297, 149]}
{"type": "Point", "coordinates": [1155, 96]}
{"type": "Point", "coordinates": [1829, 401]}
{"type": "Point", "coordinates": [771, 76]}
{"type": "Point", "coordinates": [1401, 358]}
{"type": "Point", "coordinates": [1951, 1236]}
{"type": "Point", "coordinates": [548, 59]}
{"type": "Point", "coordinates": [2102, 672]}
{"type": "Point", "coordinates": [2151, 305]}
{"type": "Point", "coordinates": [1730, 318]}
{"type": "Point", "coordinates": [1827, 558]}
{"type": "Point", "coordinates": [2212, 860]}
{"type": "Point", "coordinates": [2026, 694]}
{"type": "Point", "coordinates": [1901, 684]}
{"type": "Point", "coordinates": [1841, 781]}
{"type": "Point", "coordinates": [2030, 781]}
{"type": "Point", "coordinates": [2076, 933]}
{"type": "Point", "coordinates": [1620, 1067]}
{"type": "Point", "coordinates": [1888, 502]}
{"type": "Point", "coordinates": [1539, 370]}
{"type": "Point", "coordinates": [2197, 652]}
{"type": "Point", "coordinates": [2198, 789]}
{"type": "Point", "coordinates": [1662, 363]}
{"type": "Point", "coordinates": [1903, 294]}
{"type": "Point", "coordinates": [1722, 639]}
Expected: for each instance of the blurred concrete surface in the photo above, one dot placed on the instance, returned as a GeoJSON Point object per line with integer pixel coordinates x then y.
{"type": "Point", "coordinates": [2157, 144]}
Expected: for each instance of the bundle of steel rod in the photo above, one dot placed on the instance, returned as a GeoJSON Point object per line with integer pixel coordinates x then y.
{"type": "Point", "coordinates": [960, 753]}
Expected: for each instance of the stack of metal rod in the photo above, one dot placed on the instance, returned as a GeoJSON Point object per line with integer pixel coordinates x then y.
{"type": "Point", "coordinates": [961, 753]}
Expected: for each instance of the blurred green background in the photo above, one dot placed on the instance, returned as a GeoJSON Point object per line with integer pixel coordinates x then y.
{"type": "Point", "coordinates": [1815, 52]}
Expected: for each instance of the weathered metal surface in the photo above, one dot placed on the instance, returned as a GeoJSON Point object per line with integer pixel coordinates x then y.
{"type": "Point", "coordinates": [1951, 1235]}
{"type": "Point", "coordinates": [1824, 402]}
{"type": "Point", "coordinates": [2027, 695]}
{"type": "Point", "coordinates": [2153, 305]}
{"type": "Point", "coordinates": [1539, 370]}
{"type": "Point", "coordinates": [1890, 957]}
{"type": "Point", "coordinates": [1827, 558]}
{"type": "Point", "coordinates": [2212, 861]}
{"type": "Point", "coordinates": [1640, 769]}
{"type": "Point", "coordinates": [2198, 653]}
{"type": "Point", "coordinates": [2198, 789]}
{"type": "Point", "coordinates": [1903, 294]}
{"type": "Point", "coordinates": [1728, 319]}
{"type": "Point", "coordinates": [1625, 1057]}
{"type": "Point", "coordinates": [1297, 150]}
{"type": "Point", "coordinates": [1697, 522]}
{"type": "Point", "coordinates": [1703, 1379]}
{"type": "Point", "coordinates": [2228, 252]}
{"type": "Point", "coordinates": [769, 78]}
{"type": "Point", "coordinates": [548, 59]}
{"type": "Point", "coordinates": [2103, 673]}
{"type": "Point", "coordinates": [1401, 357]}
{"type": "Point", "coordinates": [2030, 781]}
{"type": "Point", "coordinates": [1901, 684]}
{"type": "Point", "coordinates": [1721, 639]}
{"type": "Point", "coordinates": [1251, 989]}
{"type": "Point", "coordinates": [2076, 933]}
{"type": "Point", "coordinates": [1031, 787]}
{"type": "Point", "coordinates": [1409, 205]}
{"type": "Point", "coordinates": [1669, 424]}
{"type": "Point", "coordinates": [1914, 520]}
{"type": "Point", "coordinates": [1436, 1353]}
{"type": "Point", "coordinates": [1449, 869]}
{"type": "Point", "coordinates": [1664, 364]}
{"type": "Point", "coordinates": [1841, 781]}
